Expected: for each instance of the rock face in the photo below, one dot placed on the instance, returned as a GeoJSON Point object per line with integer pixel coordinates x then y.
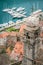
{"type": "Point", "coordinates": [39, 59]}
{"type": "Point", "coordinates": [4, 59]}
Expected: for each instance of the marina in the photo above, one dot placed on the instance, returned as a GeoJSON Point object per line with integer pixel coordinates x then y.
{"type": "Point", "coordinates": [27, 6]}
{"type": "Point", "coordinates": [15, 13]}
{"type": "Point", "coordinates": [31, 18]}
{"type": "Point", "coordinates": [21, 32]}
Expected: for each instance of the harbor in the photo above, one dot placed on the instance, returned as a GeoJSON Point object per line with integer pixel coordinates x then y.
{"type": "Point", "coordinates": [21, 32]}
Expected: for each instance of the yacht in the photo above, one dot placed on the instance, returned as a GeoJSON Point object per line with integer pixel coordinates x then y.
{"type": "Point", "coordinates": [5, 10]}
{"type": "Point", "coordinates": [19, 21]}
{"type": "Point", "coordinates": [11, 22]}
{"type": "Point", "coordinates": [0, 25]}
{"type": "Point", "coordinates": [24, 13]}
{"type": "Point", "coordinates": [21, 15]}
{"type": "Point", "coordinates": [20, 9]}
{"type": "Point", "coordinates": [14, 8]}
{"type": "Point", "coordinates": [10, 11]}
{"type": "Point", "coordinates": [4, 24]}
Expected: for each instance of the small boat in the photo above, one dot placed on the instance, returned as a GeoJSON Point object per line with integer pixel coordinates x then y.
{"type": "Point", "coordinates": [14, 8]}
{"type": "Point", "coordinates": [10, 11]}
{"type": "Point", "coordinates": [11, 22]}
{"type": "Point", "coordinates": [19, 22]}
{"type": "Point", "coordinates": [5, 10]}
{"type": "Point", "coordinates": [20, 12]}
{"type": "Point", "coordinates": [4, 24]}
{"type": "Point", "coordinates": [21, 15]}
{"type": "Point", "coordinates": [0, 25]}
{"type": "Point", "coordinates": [24, 13]}
{"type": "Point", "coordinates": [20, 9]}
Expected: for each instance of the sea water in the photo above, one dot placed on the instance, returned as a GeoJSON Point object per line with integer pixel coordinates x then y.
{"type": "Point", "coordinates": [27, 4]}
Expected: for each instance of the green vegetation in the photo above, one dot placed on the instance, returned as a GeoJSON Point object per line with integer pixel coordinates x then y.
{"type": "Point", "coordinates": [12, 29]}
{"type": "Point", "coordinates": [3, 51]}
{"type": "Point", "coordinates": [11, 48]}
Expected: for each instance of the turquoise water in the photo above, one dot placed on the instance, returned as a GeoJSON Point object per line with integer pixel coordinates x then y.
{"type": "Point", "coordinates": [27, 4]}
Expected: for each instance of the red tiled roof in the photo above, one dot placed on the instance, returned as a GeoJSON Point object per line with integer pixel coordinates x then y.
{"type": "Point", "coordinates": [13, 33]}
{"type": "Point", "coordinates": [4, 34]}
{"type": "Point", "coordinates": [22, 28]}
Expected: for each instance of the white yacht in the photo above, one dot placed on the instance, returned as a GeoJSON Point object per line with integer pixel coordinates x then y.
{"type": "Point", "coordinates": [14, 8]}
{"type": "Point", "coordinates": [5, 10]}
{"type": "Point", "coordinates": [4, 24]}
{"type": "Point", "coordinates": [0, 25]}
{"type": "Point", "coordinates": [10, 11]}
{"type": "Point", "coordinates": [20, 9]}
{"type": "Point", "coordinates": [21, 15]}
{"type": "Point", "coordinates": [11, 22]}
{"type": "Point", "coordinates": [19, 21]}
{"type": "Point", "coordinates": [24, 13]}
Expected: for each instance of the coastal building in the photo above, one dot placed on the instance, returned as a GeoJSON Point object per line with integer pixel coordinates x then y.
{"type": "Point", "coordinates": [31, 39]}
{"type": "Point", "coordinates": [3, 38]}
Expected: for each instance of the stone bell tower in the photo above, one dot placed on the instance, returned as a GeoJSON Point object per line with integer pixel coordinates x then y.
{"type": "Point", "coordinates": [31, 42]}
